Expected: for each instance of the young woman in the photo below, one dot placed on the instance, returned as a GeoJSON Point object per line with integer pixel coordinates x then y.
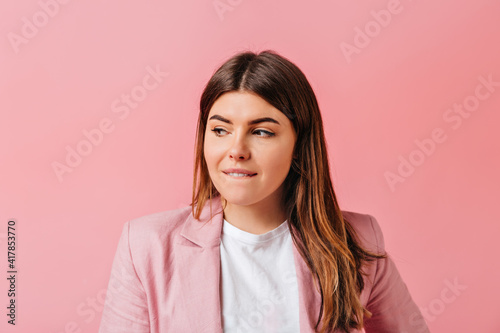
{"type": "Point", "coordinates": [264, 246]}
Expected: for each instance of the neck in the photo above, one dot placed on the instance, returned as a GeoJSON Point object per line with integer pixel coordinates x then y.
{"type": "Point", "coordinates": [257, 218]}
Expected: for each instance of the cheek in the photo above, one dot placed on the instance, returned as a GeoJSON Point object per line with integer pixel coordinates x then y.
{"type": "Point", "coordinates": [279, 160]}
{"type": "Point", "coordinates": [212, 153]}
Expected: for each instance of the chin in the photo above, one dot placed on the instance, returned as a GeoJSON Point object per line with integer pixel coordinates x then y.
{"type": "Point", "coordinates": [240, 199]}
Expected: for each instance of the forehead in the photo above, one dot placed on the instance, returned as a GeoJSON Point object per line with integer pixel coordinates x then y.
{"type": "Point", "coordinates": [244, 105]}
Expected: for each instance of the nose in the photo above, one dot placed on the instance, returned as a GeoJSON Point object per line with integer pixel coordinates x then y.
{"type": "Point", "coordinates": [239, 149]}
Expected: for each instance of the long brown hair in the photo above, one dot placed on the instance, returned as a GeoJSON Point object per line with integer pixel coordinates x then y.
{"type": "Point", "coordinates": [325, 239]}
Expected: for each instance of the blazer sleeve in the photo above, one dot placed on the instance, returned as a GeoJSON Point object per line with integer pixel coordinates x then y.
{"type": "Point", "coordinates": [390, 302]}
{"type": "Point", "coordinates": [125, 307]}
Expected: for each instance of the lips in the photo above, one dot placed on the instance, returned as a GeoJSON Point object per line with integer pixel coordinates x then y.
{"type": "Point", "coordinates": [236, 172]}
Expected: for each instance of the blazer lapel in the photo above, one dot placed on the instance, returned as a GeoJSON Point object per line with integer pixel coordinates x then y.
{"type": "Point", "coordinates": [199, 270]}
{"type": "Point", "coordinates": [309, 297]}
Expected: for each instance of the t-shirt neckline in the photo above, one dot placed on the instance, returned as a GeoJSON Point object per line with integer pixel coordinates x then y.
{"type": "Point", "coordinates": [231, 230]}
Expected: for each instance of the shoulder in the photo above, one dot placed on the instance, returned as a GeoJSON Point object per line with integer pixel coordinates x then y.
{"type": "Point", "coordinates": [370, 237]}
{"type": "Point", "coordinates": [157, 226]}
{"type": "Point", "coordinates": [367, 229]}
{"type": "Point", "coordinates": [384, 294]}
{"type": "Point", "coordinates": [147, 242]}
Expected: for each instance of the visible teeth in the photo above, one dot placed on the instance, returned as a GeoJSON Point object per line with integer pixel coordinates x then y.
{"type": "Point", "coordinates": [239, 174]}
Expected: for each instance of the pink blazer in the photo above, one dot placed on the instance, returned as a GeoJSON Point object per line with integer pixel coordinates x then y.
{"type": "Point", "coordinates": [165, 277]}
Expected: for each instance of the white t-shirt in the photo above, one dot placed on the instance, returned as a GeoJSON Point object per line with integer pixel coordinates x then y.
{"type": "Point", "coordinates": [259, 282]}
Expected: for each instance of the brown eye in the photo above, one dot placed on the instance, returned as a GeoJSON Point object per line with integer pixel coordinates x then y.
{"type": "Point", "coordinates": [217, 131]}
{"type": "Point", "coordinates": [266, 133]}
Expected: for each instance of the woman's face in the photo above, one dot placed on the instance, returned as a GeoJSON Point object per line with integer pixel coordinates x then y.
{"type": "Point", "coordinates": [245, 132]}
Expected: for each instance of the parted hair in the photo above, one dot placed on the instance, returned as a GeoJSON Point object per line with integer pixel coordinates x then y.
{"type": "Point", "coordinates": [323, 236]}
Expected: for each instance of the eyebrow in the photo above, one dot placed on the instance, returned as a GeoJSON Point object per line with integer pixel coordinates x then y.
{"type": "Point", "coordinates": [252, 122]}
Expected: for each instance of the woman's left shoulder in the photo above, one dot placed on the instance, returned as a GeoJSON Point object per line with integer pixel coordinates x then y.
{"type": "Point", "coordinates": [367, 229]}
{"type": "Point", "coordinates": [385, 294]}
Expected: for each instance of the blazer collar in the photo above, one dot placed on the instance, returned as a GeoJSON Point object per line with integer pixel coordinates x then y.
{"type": "Point", "coordinates": [205, 232]}
{"type": "Point", "coordinates": [202, 272]}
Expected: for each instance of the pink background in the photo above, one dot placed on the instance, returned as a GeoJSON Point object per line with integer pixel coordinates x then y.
{"type": "Point", "coordinates": [68, 73]}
